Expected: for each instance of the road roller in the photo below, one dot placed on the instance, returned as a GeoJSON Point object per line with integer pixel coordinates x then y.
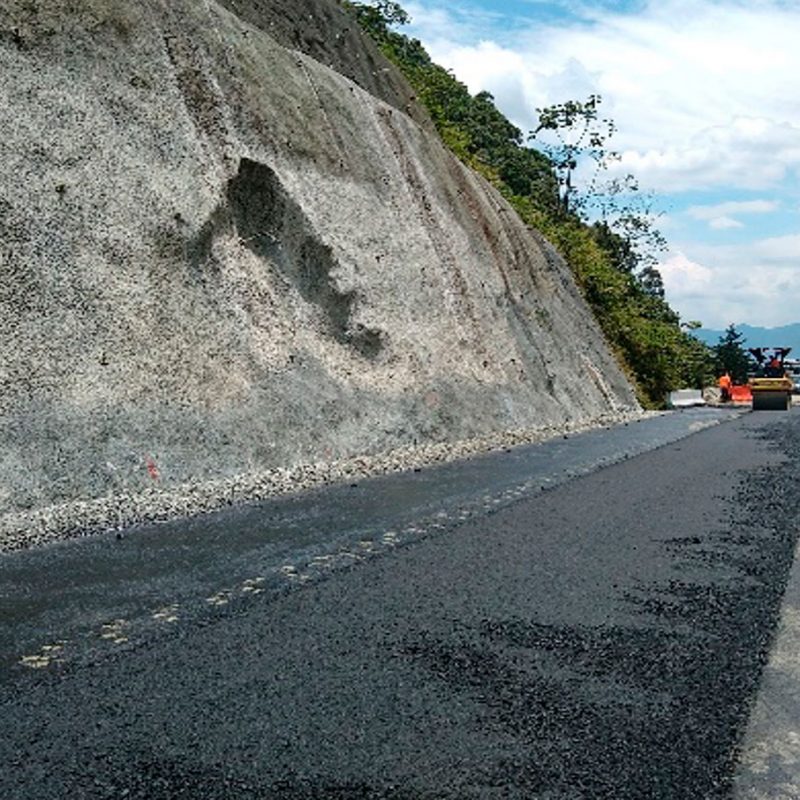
{"type": "Point", "coordinates": [771, 387]}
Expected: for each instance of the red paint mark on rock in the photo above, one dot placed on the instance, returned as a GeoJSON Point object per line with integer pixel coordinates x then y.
{"type": "Point", "coordinates": [152, 469]}
{"type": "Point", "coordinates": [432, 400]}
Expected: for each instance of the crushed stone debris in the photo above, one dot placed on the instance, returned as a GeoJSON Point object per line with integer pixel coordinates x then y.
{"type": "Point", "coordinates": [22, 530]}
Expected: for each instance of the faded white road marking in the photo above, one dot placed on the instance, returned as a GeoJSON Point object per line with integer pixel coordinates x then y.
{"type": "Point", "coordinates": [35, 662]}
{"type": "Point", "coordinates": [253, 585]}
{"type": "Point", "coordinates": [166, 614]}
{"type": "Point", "coordinates": [115, 631]}
{"type": "Point", "coordinates": [221, 598]}
{"type": "Point", "coordinates": [48, 654]}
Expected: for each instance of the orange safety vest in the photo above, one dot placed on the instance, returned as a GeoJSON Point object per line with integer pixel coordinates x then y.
{"type": "Point", "coordinates": [725, 381]}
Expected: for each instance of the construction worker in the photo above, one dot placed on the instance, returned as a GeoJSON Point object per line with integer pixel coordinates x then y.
{"type": "Point", "coordinates": [774, 368]}
{"type": "Point", "coordinates": [725, 384]}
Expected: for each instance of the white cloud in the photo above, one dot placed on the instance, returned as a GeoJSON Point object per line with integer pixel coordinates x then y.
{"type": "Point", "coordinates": [724, 223]}
{"type": "Point", "coordinates": [757, 282]}
{"type": "Point", "coordinates": [703, 92]}
{"type": "Point", "coordinates": [685, 278]}
{"type": "Point", "coordinates": [720, 216]}
{"type": "Point", "coordinates": [733, 207]}
{"type": "Point", "coordinates": [783, 251]}
{"type": "Point", "coordinates": [704, 96]}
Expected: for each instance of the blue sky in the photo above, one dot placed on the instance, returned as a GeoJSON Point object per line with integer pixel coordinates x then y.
{"type": "Point", "coordinates": [706, 100]}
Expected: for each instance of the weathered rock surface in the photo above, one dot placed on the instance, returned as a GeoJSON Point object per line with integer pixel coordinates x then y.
{"type": "Point", "coordinates": [218, 256]}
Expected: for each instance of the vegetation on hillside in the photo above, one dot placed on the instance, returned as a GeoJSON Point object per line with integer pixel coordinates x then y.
{"type": "Point", "coordinates": [604, 231]}
{"type": "Point", "coordinates": [731, 356]}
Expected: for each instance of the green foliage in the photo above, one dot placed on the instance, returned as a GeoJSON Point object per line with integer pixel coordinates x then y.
{"type": "Point", "coordinates": [375, 19]}
{"type": "Point", "coordinates": [612, 259]}
{"type": "Point", "coordinates": [471, 126]}
{"type": "Point", "coordinates": [626, 216]}
{"type": "Point", "coordinates": [731, 356]}
{"type": "Point", "coordinates": [580, 135]}
{"type": "Point", "coordinates": [644, 331]}
{"type": "Point", "coordinates": [629, 213]}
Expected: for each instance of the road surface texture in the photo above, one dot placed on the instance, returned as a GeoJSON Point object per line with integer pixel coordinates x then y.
{"type": "Point", "coordinates": [589, 618]}
{"type": "Point", "coordinates": [770, 759]}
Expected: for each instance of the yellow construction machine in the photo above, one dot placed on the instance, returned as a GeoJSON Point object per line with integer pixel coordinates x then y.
{"type": "Point", "coordinates": [770, 385]}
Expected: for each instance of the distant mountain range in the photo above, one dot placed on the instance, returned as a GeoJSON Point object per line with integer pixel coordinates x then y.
{"type": "Point", "coordinates": [784, 336]}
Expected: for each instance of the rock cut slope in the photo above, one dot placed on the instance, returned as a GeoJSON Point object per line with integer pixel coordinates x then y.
{"type": "Point", "coordinates": [219, 255]}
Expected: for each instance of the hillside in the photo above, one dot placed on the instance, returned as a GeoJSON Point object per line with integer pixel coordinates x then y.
{"type": "Point", "coordinates": [615, 261]}
{"type": "Point", "coordinates": [221, 255]}
{"type": "Point", "coordinates": [755, 336]}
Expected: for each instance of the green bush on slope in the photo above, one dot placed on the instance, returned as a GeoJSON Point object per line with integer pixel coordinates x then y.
{"type": "Point", "coordinates": [645, 333]}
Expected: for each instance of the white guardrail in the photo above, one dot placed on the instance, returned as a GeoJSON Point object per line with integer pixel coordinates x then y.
{"type": "Point", "coordinates": [684, 398]}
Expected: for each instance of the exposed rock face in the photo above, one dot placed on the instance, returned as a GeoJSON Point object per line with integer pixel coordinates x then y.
{"type": "Point", "coordinates": [218, 255]}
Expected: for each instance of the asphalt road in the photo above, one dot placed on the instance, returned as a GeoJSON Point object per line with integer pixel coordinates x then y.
{"type": "Point", "coordinates": [583, 619]}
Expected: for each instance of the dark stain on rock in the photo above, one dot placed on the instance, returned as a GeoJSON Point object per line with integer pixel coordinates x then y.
{"type": "Point", "coordinates": [262, 214]}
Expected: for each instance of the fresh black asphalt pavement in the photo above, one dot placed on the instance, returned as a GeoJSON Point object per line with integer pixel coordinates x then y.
{"type": "Point", "coordinates": [587, 618]}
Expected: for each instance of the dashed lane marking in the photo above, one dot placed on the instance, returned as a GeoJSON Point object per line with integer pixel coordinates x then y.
{"type": "Point", "coordinates": [115, 631]}
{"type": "Point", "coordinates": [253, 585]}
{"type": "Point", "coordinates": [48, 654]}
{"type": "Point", "coordinates": [221, 598]}
{"type": "Point", "coordinates": [166, 614]}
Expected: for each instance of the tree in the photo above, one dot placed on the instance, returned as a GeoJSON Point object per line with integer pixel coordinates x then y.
{"type": "Point", "coordinates": [651, 281]}
{"type": "Point", "coordinates": [697, 361]}
{"type": "Point", "coordinates": [730, 356]}
{"type": "Point", "coordinates": [630, 213]}
{"type": "Point", "coordinates": [581, 136]}
{"type": "Point", "coordinates": [624, 215]}
{"type": "Point", "coordinates": [377, 17]}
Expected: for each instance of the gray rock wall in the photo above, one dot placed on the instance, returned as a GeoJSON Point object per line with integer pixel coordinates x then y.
{"type": "Point", "coordinates": [219, 255]}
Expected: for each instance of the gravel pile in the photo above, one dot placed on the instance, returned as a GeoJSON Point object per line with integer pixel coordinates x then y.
{"type": "Point", "coordinates": [23, 530]}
